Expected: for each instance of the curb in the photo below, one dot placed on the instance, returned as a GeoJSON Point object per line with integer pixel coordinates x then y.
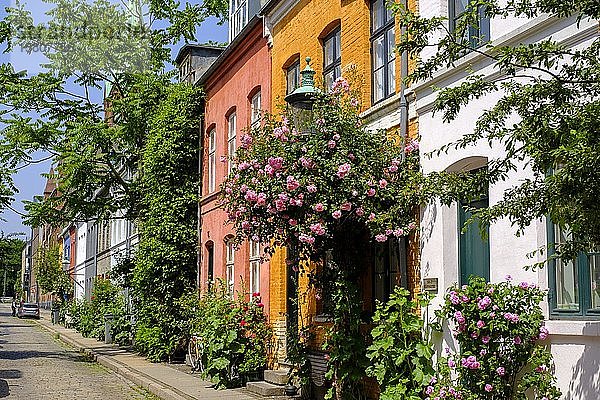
{"type": "Point", "coordinates": [165, 392]}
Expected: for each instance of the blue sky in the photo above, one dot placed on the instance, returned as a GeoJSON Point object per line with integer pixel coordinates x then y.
{"type": "Point", "coordinates": [29, 180]}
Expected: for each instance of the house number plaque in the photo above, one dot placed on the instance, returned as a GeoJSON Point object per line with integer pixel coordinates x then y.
{"type": "Point", "coordinates": [430, 285]}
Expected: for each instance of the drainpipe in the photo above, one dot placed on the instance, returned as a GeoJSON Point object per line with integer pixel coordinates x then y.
{"type": "Point", "coordinates": [403, 74]}
{"type": "Point", "coordinates": [199, 215]}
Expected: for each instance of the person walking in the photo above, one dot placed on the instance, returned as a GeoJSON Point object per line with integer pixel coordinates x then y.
{"type": "Point", "coordinates": [14, 307]}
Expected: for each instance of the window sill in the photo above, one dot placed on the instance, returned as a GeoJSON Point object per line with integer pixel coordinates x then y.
{"type": "Point", "coordinates": [381, 108]}
{"type": "Point", "coordinates": [211, 196]}
{"type": "Point", "coordinates": [573, 328]}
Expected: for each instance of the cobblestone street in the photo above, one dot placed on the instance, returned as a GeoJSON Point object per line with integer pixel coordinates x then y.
{"type": "Point", "coordinates": [34, 366]}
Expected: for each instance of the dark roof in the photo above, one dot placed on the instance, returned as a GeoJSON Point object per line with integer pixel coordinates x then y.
{"type": "Point", "coordinates": [192, 46]}
{"type": "Point", "coordinates": [229, 49]}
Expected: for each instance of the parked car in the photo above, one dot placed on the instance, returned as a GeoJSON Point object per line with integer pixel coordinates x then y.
{"type": "Point", "coordinates": [29, 310]}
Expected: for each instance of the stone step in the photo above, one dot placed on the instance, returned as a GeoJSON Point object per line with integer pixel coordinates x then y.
{"type": "Point", "coordinates": [276, 376]}
{"type": "Point", "coordinates": [265, 389]}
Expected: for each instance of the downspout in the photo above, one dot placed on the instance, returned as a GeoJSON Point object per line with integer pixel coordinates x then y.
{"type": "Point", "coordinates": [403, 74]}
{"type": "Point", "coordinates": [199, 215]}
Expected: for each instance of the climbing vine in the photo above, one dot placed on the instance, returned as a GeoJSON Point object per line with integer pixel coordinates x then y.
{"type": "Point", "coordinates": [326, 184]}
{"type": "Point", "coordinates": [165, 263]}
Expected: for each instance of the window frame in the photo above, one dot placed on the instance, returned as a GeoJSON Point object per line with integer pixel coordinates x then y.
{"type": "Point", "coordinates": [212, 160]}
{"type": "Point", "coordinates": [335, 36]}
{"type": "Point", "coordinates": [255, 109]}
{"type": "Point", "coordinates": [230, 266]}
{"type": "Point", "coordinates": [584, 282]}
{"type": "Point", "coordinates": [293, 67]}
{"type": "Point", "coordinates": [231, 140]}
{"type": "Point", "coordinates": [238, 8]}
{"type": "Point", "coordinates": [476, 38]}
{"type": "Point", "coordinates": [376, 33]}
{"type": "Point", "coordinates": [402, 268]}
{"type": "Point", "coordinates": [254, 260]}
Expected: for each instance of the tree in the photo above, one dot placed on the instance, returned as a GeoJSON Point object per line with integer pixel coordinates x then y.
{"type": "Point", "coordinates": [49, 273]}
{"type": "Point", "coordinates": [553, 91]}
{"type": "Point", "coordinates": [61, 111]}
{"type": "Point", "coordinates": [10, 262]}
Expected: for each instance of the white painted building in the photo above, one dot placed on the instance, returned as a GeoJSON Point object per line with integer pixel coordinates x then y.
{"type": "Point", "coordinates": [80, 257]}
{"type": "Point", "coordinates": [574, 331]}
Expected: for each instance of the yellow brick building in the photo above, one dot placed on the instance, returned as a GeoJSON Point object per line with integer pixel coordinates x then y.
{"type": "Point", "coordinates": [354, 38]}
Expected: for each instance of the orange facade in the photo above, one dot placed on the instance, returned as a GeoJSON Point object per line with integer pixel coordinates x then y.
{"type": "Point", "coordinates": [240, 75]}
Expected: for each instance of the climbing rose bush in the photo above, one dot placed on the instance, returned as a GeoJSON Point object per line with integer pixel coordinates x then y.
{"type": "Point", "coordinates": [304, 185]}
{"type": "Point", "coordinates": [500, 331]}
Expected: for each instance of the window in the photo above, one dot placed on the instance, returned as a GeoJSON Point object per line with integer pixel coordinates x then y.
{"type": "Point", "coordinates": [212, 160]}
{"type": "Point", "coordinates": [389, 269]}
{"type": "Point", "coordinates": [231, 141]}
{"type": "Point", "coordinates": [254, 267]}
{"type": "Point", "coordinates": [211, 264]}
{"type": "Point", "coordinates": [255, 105]}
{"type": "Point", "coordinates": [383, 45]}
{"type": "Point", "coordinates": [574, 284]}
{"type": "Point", "coordinates": [292, 74]}
{"type": "Point", "coordinates": [238, 17]}
{"type": "Point", "coordinates": [230, 266]}
{"type": "Point", "coordinates": [332, 59]}
{"type": "Point", "coordinates": [474, 35]}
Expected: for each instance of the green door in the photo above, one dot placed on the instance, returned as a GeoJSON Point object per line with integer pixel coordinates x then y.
{"type": "Point", "coordinates": [474, 251]}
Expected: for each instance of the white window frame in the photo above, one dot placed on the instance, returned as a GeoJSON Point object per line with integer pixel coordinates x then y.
{"type": "Point", "coordinates": [212, 160]}
{"type": "Point", "coordinates": [254, 266]}
{"type": "Point", "coordinates": [230, 266]}
{"type": "Point", "coordinates": [255, 109]}
{"type": "Point", "coordinates": [238, 17]}
{"type": "Point", "coordinates": [292, 77]}
{"type": "Point", "coordinates": [231, 145]}
{"type": "Point", "coordinates": [333, 70]}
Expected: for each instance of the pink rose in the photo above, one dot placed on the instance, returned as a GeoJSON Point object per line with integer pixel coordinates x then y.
{"type": "Point", "coordinates": [383, 183]}
{"type": "Point", "coordinates": [381, 238]}
{"type": "Point", "coordinates": [360, 212]}
{"type": "Point", "coordinates": [347, 206]}
{"type": "Point", "coordinates": [311, 188]}
{"type": "Point", "coordinates": [292, 183]}
{"type": "Point", "coordinates": [336, 214]}
{"type": "Point", "coordinates": [331, 144]}
{"type": "Point", "coordinates": [343, 170]}
{"type": "Point", "coordinates": [371, 192]}
{"type": "Point", "coordinates": [543, 333]}
{"type": "Point", "coordinates": [319, 207]}
{"type": "Point", "coordinates": [317, 229]}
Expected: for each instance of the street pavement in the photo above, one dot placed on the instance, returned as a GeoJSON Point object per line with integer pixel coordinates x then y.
{"type": "Point", "coordinates": [35, 366]}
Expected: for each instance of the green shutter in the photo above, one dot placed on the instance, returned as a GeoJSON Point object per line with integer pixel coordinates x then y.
{"type": "Point", "coordinates": [474, 251]}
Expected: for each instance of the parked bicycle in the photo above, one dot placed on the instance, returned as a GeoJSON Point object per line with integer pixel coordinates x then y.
{"type": "Point", "coordinates": [196, 353]}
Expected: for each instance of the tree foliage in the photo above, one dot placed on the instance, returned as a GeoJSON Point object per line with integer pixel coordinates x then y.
{"type": "Point", "coordinates": [10, 262]}
{"type": "Point", "coordinates": [49, 273]}
{"type": "Point", "coordinates": [165, 262]}
{"type": "Point", "coordinates": [94, 49]}
{"type": "Point", "coordinates": [546, 117]}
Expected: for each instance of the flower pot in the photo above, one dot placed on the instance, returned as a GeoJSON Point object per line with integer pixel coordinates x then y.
{"type": "Point", "coordinates": [290, 390]}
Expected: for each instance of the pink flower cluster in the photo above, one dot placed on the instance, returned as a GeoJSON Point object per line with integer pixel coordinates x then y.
{"type": "Point", "coordinates": [511, 317]}
{"type": "Point", "coordinates": [411, 146]}
{"type": "Point", "coordinates": [470, 362]}
{"type": "Point", "coordinates": [340, 85]}
{"type": "Point", "coordinates": [484, 303]}
{"type": "Point", "coordinates": [343, 170]}
{"type": "Point", "coordinates": [245, 141]}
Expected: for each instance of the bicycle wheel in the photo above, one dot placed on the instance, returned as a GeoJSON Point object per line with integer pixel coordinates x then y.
{"type": "Point", "coordinates": [200, 355]}
{"type": "Point", "coordinates": [193, 353]}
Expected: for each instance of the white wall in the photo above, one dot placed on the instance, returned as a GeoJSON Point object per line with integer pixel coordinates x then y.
{"type": "Point", "coordinates": [574, 344]}
{"type": "Point", "coordinates": [80, 256]}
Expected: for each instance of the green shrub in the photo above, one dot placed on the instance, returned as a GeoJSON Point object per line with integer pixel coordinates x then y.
{"type": "Point", "coordinates": [235, 334]}
{"type": "Point", "coordinates": [400, 354]}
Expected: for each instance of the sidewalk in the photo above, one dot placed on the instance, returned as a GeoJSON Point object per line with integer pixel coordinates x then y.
{"type": "Point", "coordinates": [161, 380]}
